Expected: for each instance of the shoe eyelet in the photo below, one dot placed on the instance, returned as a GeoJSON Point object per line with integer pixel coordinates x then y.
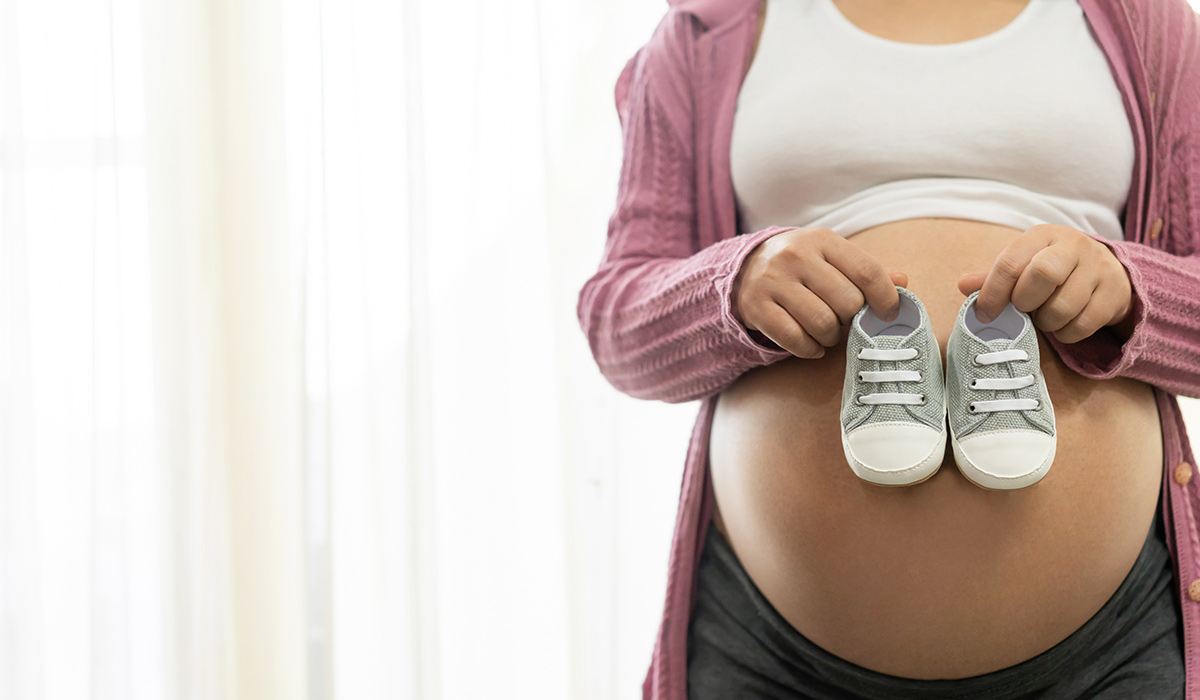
{"type": "Point", "coordinates": [860, 377]}
{"type": "Point", "coordinates": [858, 400]}
{"type": "Point", "coordinates": [1039, 405]}
{"type": "Point", "coordinates": [922, 400]}
{"type": "Point", "coordinates": [971, 407]}
{"type": "Point", "coordinates": [975, 360]}
{"type": "Point", "coordinates": [973, 384]}
{"type": "Point", "coordinates": [920, 376]}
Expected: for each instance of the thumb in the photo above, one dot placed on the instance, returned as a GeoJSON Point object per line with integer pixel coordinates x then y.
{"type": "Point", "coordinates": [970, 282]}
{"type": "Point", "coordinates": [899, 279]}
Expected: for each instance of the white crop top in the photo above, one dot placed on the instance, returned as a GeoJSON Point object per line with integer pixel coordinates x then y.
{"type": "Point", "coordinates": [838, 128]}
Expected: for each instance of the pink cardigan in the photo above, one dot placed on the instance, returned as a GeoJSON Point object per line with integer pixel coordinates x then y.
{"type": "Point", "coordinates": [657, 312]}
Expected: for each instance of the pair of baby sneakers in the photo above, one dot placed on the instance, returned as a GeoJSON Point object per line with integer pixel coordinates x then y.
{"type": "Point", "coordinates": [896, 405]}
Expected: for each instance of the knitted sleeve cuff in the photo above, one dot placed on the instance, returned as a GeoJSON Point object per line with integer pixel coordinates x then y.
{"type": "Point", "coordinates": [762, 348]}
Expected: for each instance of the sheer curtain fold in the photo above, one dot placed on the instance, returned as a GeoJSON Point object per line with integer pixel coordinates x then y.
{"type": "Point", "coordinates": [228, 348]}
{"type": "Point", "coordinates": [77, 492]}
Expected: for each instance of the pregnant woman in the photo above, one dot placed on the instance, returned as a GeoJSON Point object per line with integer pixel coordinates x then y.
{"type": "Point", "coordinates": [787, 161]}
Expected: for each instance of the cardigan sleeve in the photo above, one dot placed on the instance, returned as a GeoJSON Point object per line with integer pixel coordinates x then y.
{"type": "Point", "coordinates": [1164, 347]}
{"type": "Point", "coordinates": [657, 313]}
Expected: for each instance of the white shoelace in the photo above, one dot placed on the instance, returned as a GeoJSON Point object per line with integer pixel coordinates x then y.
{"type": "Point", "coordinates": [889, 375]}
{"type": "Point", "coordinates": [984, 384]}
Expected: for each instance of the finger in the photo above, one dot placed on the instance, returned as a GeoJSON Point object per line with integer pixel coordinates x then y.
{"type": "Point", "coordinates": [832, 287]}
{"type": "Point", "coordinates": [997, 287]}
{"type": "Point", "coordinates": [868, 275]}
{"type": "Point", "coordinates": [1115, 297]}
{"type": "Point", "coordinates": [1065, 303]}
{"type": "Point", "coordinates": [785, 331]}
{"type": "Point", "coordinates": [814, 315]}
{"type": "Point", "coordinates": [970, 281]}
{"type": "Point", "coordinates": [1087, 322]}
{"type": "Point", "coordinates": [1047, 269]}
{"type": "Point", "coordinates": [899, 279]}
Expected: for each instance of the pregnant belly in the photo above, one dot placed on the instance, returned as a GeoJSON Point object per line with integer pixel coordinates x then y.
{"type": "Point", "coordinates": [942, 579]}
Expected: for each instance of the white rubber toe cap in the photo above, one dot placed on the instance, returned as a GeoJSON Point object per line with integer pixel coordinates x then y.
{"type": "Point", "coordinates": [1005, 460]}
{"type": "Point", "coordinates": [894, 454]}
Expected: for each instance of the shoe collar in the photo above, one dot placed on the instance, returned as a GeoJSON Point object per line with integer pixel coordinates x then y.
{"type": "Point", "coordinates": [1007, 330]}
{"type": "Point", "coordinates": [883, 334]}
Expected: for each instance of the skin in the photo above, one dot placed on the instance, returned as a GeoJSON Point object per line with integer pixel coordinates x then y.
{"type": "Point", "coordinates": [944, 579]}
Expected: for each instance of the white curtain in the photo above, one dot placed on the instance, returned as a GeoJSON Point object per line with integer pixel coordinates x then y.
{"type": "Point", "coordinates": [293, 401]}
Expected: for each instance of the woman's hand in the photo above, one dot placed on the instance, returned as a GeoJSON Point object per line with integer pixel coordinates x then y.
{"type": "Point", "coordinates": [800, 287]}
{"type": "Point", "coordinates": [1070, 284]}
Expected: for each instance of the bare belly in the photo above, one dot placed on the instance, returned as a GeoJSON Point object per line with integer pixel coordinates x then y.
{"type": "Point", "coordinates": [943, 579]}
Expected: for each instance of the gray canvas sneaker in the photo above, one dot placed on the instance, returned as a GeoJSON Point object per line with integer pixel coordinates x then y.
{"type": "Point", "coordinates": [1001, 420]}
{"type": "Point", "coordinates": [893, 397]}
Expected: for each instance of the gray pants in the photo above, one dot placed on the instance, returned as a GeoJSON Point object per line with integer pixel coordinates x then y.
{"type": "Point", "coordinates": [739, 646]}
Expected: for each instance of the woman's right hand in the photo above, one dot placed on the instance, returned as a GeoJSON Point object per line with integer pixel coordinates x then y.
{"type": "Point", "coordinates": [800, 287]}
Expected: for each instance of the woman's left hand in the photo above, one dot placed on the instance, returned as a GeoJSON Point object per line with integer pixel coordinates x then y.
{"type": "Point", "coordinates": [1069, 283]}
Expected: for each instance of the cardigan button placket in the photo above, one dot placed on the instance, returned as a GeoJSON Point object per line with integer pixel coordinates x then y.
{"type": "Point", "coordinates": [1183, 473]}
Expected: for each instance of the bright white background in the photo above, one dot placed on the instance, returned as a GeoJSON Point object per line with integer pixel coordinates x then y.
{"type": "Point", "coordinates": [293, 399]}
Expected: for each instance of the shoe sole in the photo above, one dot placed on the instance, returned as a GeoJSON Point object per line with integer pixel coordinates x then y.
{"type": "Point", "coordinates": [991, 482]}
{"type": "Point", "coordinates": [924, 469]}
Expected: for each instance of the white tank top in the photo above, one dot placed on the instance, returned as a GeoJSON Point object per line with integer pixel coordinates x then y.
{"type": "Point", "coordinates": [838, 128]}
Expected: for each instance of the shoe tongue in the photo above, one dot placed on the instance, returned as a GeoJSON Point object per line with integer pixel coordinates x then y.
{"type": "Point", "coordinates": [889, 342]}
{"type": "Point", "coordinates": [999, 344]}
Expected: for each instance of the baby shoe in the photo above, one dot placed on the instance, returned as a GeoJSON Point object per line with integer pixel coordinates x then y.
{"type": "Point", "coordinates": [893, 403]}
{"type": "Point", "coordinates": [1001, 419]}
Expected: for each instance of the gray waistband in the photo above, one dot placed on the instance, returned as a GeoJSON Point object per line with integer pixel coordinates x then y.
{"type": "Point", "coordinates": [1141, 611]}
